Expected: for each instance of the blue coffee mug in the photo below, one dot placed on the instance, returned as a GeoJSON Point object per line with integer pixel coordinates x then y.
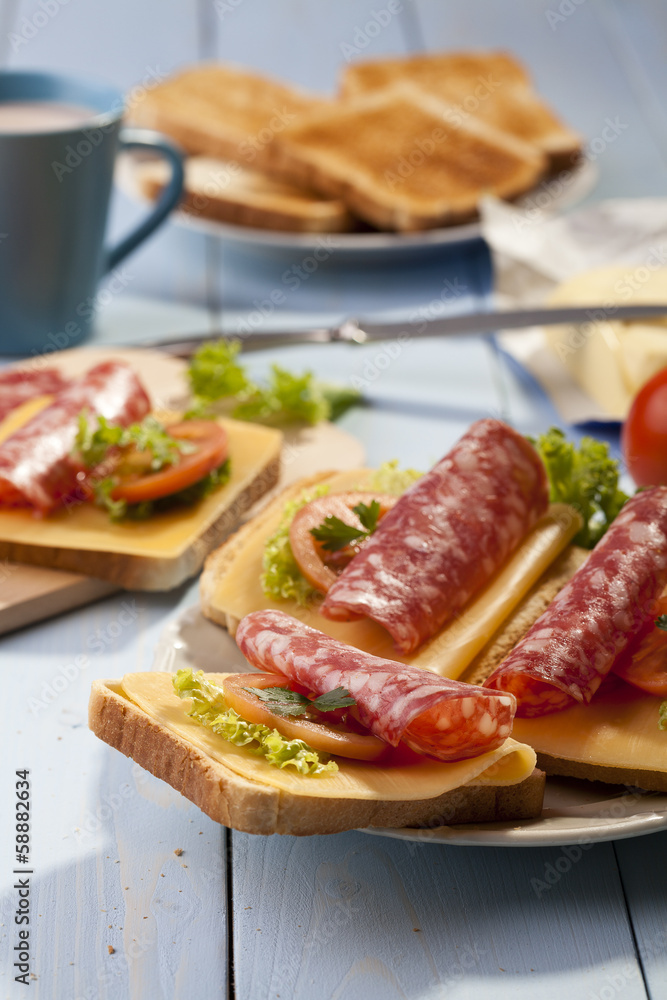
{"type": "Point", "coordinates": [55, 189]}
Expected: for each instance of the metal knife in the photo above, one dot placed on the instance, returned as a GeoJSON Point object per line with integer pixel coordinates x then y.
{"type": "Point", "coordinates": [354, 331]}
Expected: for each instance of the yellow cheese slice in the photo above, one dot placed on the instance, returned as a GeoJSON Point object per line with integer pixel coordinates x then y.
{"type": "Point", "coordinates": [238, 591]}
{"type": "Point", "coordinates": [87, 528]}
{"type": "Point", "coordinates": [618, 729]}
{"type": "Point", "coordinates": [609, 359]}
{"type": "Point", "coordinates": [512, 762]}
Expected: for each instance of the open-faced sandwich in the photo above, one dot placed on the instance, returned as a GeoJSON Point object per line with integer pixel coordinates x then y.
{"type": "Point", "coordinates": [326, 738]}
{"type": "Point", "coordinates": [342, 593]}
{"type": "Point", "coordinates": [453, 573]}
{"type": "Point", "coordinates": [94, 481]}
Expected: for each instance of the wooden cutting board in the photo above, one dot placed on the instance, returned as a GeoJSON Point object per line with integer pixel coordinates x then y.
{"type": "Point", "coordinates": [30, 594]}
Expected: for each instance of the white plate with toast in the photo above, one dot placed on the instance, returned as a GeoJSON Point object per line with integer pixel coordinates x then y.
{"type": "Point", "coordinates": [553, 196]}
{"type": "Point", "coordinates": [579, 813]}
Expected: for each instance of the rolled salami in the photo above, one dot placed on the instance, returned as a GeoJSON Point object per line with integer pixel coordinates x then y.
{"type": "Point", "coordinates": [36, 465]}
{"type": "Point", "coordinates": [433, 715]}
{"type": "Point", "coordinates": [566, 654]}
{"type": "Point", "coordinates": [17, 386]}
{"type": "Point", "coordinates": [446, 537]}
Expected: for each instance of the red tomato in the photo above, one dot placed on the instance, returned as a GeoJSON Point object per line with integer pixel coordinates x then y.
{"type": "Point", "coordinates": [644, 437]}
{"type": "Point", "coordinates": [328, 737]}
{"type": "Point", "coordinates": [644, 662]}
{"type": "Point", "coordinates": [210, 441]}
{"type": "Point", "coordinates": [317, 565]}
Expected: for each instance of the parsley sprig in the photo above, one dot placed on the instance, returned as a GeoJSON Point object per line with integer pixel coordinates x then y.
{"type": "Point", "coordinates": [661, 622]}
{"type": "Point", "coordinates": [284, 702]}
{"type": "Point", "coordinates": [336, 534]}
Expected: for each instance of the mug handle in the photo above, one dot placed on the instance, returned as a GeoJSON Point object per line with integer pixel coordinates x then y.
{"type": "Point", "coordinates": [139, 138]}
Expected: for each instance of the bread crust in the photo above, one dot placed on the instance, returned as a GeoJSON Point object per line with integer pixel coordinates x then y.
{"type": "Point", "coordinates": [251, 807]}
{"type": "Point", "coordinates": [248, 198]}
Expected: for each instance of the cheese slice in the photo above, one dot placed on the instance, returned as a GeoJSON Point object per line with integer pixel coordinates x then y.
{"type": "Point", "coordinates": [509, 764]}
{"type": "Point", "coordinates": [609, 359]}
{"type": "Point", "coordinates": [238, 590]}
{"type": "Point", "coordinates": [618, 729]}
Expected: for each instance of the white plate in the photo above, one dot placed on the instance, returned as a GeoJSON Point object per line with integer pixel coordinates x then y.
{"type": "Point", "coordinates": [551, 196]}
{"type": "Point", "coordinates": [578, 813]}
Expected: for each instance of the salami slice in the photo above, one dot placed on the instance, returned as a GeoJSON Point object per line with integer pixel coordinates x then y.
{"type": "Point", "coordinates": [17, 387]}
{"type": "Point", "coordinates": [446, 537]}
{"type": "Point", "coordinates": [566, 654]}
{"type": "Point", "coordinates": [36, 466]}
{"type": "Point", "coordinates": [433, 715]}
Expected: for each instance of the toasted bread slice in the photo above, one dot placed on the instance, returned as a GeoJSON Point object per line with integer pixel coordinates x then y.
{"type": "Point", "coordinates": [491, 86]}
{"type": "Point", "coordinates": [228, 192]}
{"type": "Point", "coordinates": [222, 111]}
{"type": "Point", "coordinates": [262, 808]}
{"type": "Point", "coordinates": [401, 159]}
{"type": "Point", "coordinates": [468, 68]}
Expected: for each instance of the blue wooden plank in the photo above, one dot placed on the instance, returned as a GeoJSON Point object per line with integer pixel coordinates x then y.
{"type": "Point", "coordinates": [358, 917]}
{"type": "Point", "coordinates": [103, 831]}
{"type": "Point", "coordinates": [643, 873]}
{"type": "Point", "coordinates": [305, 43]}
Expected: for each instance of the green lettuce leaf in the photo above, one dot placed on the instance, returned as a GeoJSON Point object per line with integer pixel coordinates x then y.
{"type": "Point", "coordinates": [281, 577]}
{"type": "Point", "coordinates": [216, 375]}
{"type": "Point", "coordinates": [389, 478]}
{"type": "Point", "coordinates": [584, 477]}
{"type": "Point", "coordinates": [210, 709]}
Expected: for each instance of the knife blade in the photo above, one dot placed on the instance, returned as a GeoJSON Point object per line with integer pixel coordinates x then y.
{"type": "Point", "coordinates": [354, 331]}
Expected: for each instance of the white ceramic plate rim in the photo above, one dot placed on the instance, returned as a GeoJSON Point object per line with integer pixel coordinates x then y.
{"type": "Point", "coordinates": [552, 197]}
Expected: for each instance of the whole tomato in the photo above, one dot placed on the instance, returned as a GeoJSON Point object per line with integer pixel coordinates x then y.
{"type": "Point", "coordinates": [644, 436]}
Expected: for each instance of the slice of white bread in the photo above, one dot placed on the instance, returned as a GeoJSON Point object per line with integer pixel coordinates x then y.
{"type": "Point", "coordinates": [228, 192]}
{"type": "Point", "coordinates": [492, 86]}
{"type": "Point", "coordinates": [401, 160]}
{"type": "Point", "coordinates": [222, 111]}
{"type": "Point", "coordinates": [253, 806]}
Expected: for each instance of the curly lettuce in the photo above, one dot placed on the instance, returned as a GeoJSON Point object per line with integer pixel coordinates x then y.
{"type": "Point", "coordinates": [584, 477]}
{"type": "Point", "coordinates": [281, 578]}
{"type": "Point", "coordinates": [216, 376]}
{"type": "Point", "coordinates": [389, 478]}
{"type": "Point", "coordinates": [210, 709]}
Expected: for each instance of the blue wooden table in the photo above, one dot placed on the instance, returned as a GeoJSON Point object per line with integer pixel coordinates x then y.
{"type": "Point", "coordinates": [350, 916]}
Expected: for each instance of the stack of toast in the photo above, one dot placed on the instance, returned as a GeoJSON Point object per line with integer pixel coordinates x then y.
{"type": "Point", "coordinates": [409, 144]}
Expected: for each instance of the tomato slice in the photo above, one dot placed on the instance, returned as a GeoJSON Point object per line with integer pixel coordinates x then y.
{"type": "Point", "coordinates": [644, 663]}
{"type": "Point", "coordinates": [317, 565]}
{"type": "Point", "coordinates": [328, 737]}
{"type": "Point", "coordinates": [210, 441]}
